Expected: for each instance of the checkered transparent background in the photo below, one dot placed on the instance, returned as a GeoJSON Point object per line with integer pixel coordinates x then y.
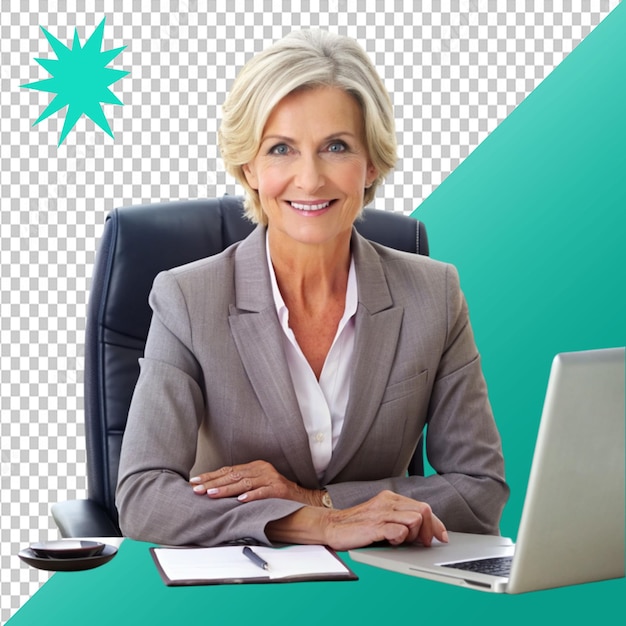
{"type": "Point", "coordinates": [454, 69]}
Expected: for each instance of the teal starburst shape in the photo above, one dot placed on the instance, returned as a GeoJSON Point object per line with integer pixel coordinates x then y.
{"type": "Point", "coordinates": [80, 80]}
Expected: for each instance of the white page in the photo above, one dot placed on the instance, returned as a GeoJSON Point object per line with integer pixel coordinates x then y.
{"type": "Point", "coordinates": [299, 560]}
{"type": "Point", "coordinates": [229, 562]}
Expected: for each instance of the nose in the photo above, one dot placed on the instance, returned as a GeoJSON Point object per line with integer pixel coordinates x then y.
{"type": "Point", "coordinates": [309, 173]}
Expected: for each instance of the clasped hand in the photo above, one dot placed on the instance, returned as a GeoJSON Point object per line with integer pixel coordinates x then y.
{"type": "Point", "coordinates": [387, 516]}
{"type": "Point", "coordinates": [257, 480]}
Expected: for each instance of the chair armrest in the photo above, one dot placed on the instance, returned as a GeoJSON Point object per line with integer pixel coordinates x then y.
{"type": "Point", "coordinates": [83, 518]}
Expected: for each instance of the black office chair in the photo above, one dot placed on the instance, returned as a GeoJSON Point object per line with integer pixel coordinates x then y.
{"type": "Point", "coordinates": [139, 242]}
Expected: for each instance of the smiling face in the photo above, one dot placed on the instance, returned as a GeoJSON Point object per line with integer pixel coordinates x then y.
{"type": "Point", "coordinates": [312, 167]}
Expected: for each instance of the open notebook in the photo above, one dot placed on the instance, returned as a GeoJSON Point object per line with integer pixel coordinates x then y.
{"type": "Point", "coordinates": [229, 564]}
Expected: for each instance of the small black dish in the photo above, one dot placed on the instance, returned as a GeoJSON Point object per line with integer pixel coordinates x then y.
{"type": "Point", "coordinates": [54, 564]}
{"type": "Point", "coordinates": [67, 549]}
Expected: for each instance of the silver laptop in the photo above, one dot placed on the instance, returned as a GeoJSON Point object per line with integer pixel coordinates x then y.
{"type": "Point", "coordinates": [572, 526]}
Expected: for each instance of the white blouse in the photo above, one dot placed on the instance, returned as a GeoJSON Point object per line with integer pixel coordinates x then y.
{"type": "Point", "coordinates": [322, 403]}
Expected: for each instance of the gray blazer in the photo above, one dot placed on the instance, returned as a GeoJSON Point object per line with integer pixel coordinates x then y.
{"type": "Point", "coordinates": [215, 390]}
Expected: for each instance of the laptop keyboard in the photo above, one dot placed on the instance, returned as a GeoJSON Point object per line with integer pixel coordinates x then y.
{"type": "Point", "coordinates": [497, 566]}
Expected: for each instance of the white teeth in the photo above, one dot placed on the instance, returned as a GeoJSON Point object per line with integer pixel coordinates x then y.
{"type": "Point", "coordinates": [309, 207]}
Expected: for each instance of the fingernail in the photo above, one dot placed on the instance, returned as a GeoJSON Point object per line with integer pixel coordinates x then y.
{"type": "Point", "coordinates": [242, 497]}
{"type": "Point", "coordinates": [212, 492]}
{"type": "Point", "coordinates": [198, 489]}
{"type": "Point", "coordinates": [195, 479]}
{"type": "Point", "coordinates": [444, 536]}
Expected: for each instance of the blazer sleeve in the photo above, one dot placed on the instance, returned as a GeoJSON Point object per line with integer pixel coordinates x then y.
{"type": "Point", "coordinates": [154, 499]}
{"type": "Point", "coordinates": [468, 491]}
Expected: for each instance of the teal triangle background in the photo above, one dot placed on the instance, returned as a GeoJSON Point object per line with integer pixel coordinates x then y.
{"type": "Point", "coordinates": [535, 221]}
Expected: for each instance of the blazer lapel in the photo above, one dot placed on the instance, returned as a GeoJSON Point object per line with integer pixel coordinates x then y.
{"type": "Point", "coordinates": [378, 325]}
{"type": "Point", "coordinates": [258, 337]}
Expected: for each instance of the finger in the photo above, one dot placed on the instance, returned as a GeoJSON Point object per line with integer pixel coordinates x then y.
{"type": "Point", "coordinates": [411, 520]}
{"type": "Point", "coordinates": [214, 485]}
{"type": "Point", "coordinates": [426, 531]}
{"type": "Point", "coordinates": [440, 530]}
{"type": "Point", "coordinates": [433, 528]}
{"type": "Point", "coordinates": [428, 527]}
{"type": "Point", "coordinates": [223, 477]}
{"type": "Point", "coordinates": [260, 493]}
{"type": "Point", "coordinates": [224, 472]}
{"type": "Point", "coordinates": [208, 480]}
{"type": "Point", "coordinates": [210, 476]}
{"type": "Point", "coordinates": [395, 534]}
{"type": "Point", "coordinates": [232, 489]}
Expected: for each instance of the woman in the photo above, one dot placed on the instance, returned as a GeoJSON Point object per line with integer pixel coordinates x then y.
{"type": "Point", "coordinates": [286, 382]}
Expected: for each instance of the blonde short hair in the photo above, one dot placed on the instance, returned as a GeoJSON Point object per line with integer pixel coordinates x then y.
{"type": "Point", "coordinates": [304, 59]}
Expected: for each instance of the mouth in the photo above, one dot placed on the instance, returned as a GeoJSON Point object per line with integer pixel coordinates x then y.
{"type": "Point", "coordinates": [311, 206]}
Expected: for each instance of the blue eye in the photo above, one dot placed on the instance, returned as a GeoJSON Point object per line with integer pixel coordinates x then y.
{"type": "Point", "coordinates": [281, 148]}
{"type": "Point", "coordinates": [337, 146]}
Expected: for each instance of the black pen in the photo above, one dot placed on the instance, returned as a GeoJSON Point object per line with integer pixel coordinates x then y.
{"type": "Point", "coordinates": [255, 558]}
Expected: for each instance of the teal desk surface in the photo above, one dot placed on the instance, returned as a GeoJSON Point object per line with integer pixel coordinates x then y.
{"type": "Point", "coordinates": [129, 590]}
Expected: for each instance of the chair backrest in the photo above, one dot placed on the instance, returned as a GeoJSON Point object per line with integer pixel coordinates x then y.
{"type": "Point", "coordinates": [138, 243]}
